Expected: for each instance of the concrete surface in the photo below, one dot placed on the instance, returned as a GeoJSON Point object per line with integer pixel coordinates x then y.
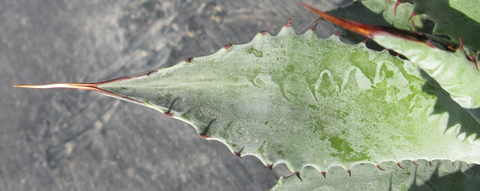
{"type": "Point", "coordinates": [79, 140]}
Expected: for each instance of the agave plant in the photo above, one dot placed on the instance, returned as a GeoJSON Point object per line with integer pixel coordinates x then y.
{"type": "Point", "coordinates": [397, 111]}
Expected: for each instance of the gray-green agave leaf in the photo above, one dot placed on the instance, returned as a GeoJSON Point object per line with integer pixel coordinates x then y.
{"type": "Point", "coordinates": [304, 101]}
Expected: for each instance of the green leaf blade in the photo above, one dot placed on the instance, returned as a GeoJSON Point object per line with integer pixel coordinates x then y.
{"type": "Point", "coordinates": [302, 101]}
{"type": "Point", "coordinates": [455, 73]}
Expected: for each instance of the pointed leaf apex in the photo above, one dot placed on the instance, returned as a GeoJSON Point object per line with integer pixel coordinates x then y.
{"type": "Point", "coordinates": [87, 86]}
{"type": "Point", "coordinates": [354, 26]}
{"type": "Point", "coordinates": [83, 86]}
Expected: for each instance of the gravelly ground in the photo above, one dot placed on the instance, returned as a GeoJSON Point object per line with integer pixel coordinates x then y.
{"type": "Point", "coordinates": [78, 140]}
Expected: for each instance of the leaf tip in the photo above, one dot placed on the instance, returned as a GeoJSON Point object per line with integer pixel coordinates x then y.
{"type": "Point", "coordinates": [351, 25]}
{"type": "Point", "coordinates": [87, 86]}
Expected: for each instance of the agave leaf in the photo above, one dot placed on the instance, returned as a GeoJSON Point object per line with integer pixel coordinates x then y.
{"type": "Point", "coordinates": [436, 175]}
{"type": "Point", "coordinates": [453, 18]}
{"type": "Point", "coordinates": [453, 71]}
{"type": "Point", "coordinates": [449, 64]}
{"type": "Point", "coordinates": [380, 13]}
{"type": "Point", "coordinates": [302, 101]}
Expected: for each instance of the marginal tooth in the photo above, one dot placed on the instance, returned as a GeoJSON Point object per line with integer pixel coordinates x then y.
{"type": "Point", "coordinates": [264, 32]}
{"type": "Point", "coordinates": [239, 153]}
{"type": "Point", "coordinates": [269, 166]}
{"type": "Point", "coordinates": [398, 164]}
{"type": "Point", "coordinates": [314, 27]}
{"type": "Point", "coordinates": [461, 43]}
{"type": "Point", "coordinates": [411, 15]}
{"type": "Point", "coordinates": [396, 5]}
{"type": "Point", "coordinates": [228, 46]}
{"type": "Point", "coordinates": [289, 22]}
{"type": "Point", "coordinates": [298, 175]}
{"type": "Point", "coordinates": [378, 166]}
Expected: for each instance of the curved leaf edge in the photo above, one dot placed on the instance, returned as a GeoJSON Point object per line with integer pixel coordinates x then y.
{"type": "Point", "coordinates": [406, 175]}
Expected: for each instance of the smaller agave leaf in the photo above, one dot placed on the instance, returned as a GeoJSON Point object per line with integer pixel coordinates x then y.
{"type": "Point", "coordinates": [423, 175]}
{"type": "Point", "coordinates": [445, 61]}
{"type": "Point", "coordinates": [304, 101]}
{"type": "Point", "coordinates": [454, 71]}
{"type": "Point", "coordinates": [380, 13]}
{"type": "Point", "coordinates": [453, 18]}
